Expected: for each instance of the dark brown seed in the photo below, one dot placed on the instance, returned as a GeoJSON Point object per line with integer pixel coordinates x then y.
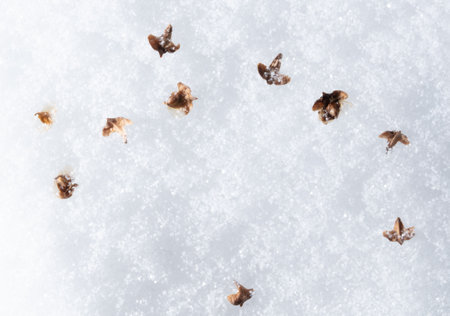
{"type": "Point", "coordinates": [45, 117]}
{"type": "Point", "coordinates": [399, 233]}
{"type": "Point", "coordinates": [65, 186]}
{"type": "Point", "coordinates": [272, 74]}
{"type": "Point", "coordinates": [182, 99]}
{"type": "Point", "coordinates": [393, 137]}
{"type": "Point", "coordinates": [163, 44]}
{"type": "Point", "coordinates": [329, 105]}
{"type": "Point", "coordinates": [243, 294]}
{"type": "Point", "coordinates": [117, 125]}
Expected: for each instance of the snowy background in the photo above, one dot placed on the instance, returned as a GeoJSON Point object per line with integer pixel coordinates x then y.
{"type": "Point", "coordinates": [250, 185]}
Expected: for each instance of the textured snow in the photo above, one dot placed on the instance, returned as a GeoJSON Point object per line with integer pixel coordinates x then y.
{"type": "Point", "coordinates": [250, 186]}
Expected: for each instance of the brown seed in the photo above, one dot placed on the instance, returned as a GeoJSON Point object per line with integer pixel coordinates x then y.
{"type": "Point", "coordinates": [45, 117]}
{"type": "Point", "coordinates": [393, 137]}
{"type": "Point", "coordinates": [65, 186]}
{"type": "Point", "coordinates": [163, 44]}
{"type": "Point", "coordinates": [338, 96]}
{"type": "Point", "coordinates": [272, 74]}
{"type": "Point", "coordinates": [181, 100]}
{"type": "Point", "coordinates": [241, 296]}
{"type": "Point", "coordinates": [117, 125]}
{"type": "Point", "coordinates": [400, 233]}
{"type": "Point", "coordinates": [329, 105]}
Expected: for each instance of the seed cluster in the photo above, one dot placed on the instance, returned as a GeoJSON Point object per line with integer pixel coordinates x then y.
{"type": "Point", "coordinates": [328, 106]}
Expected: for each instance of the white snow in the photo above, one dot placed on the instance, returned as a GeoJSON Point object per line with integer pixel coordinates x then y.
{"type": "Point", "coordinates": [250, 186]}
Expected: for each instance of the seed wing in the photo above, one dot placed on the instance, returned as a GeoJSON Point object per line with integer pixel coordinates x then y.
{"type": "Point", "coordinates": [390, 234]}
{"type": "Point", "coordinates": [404, 140]}
{"type": "Point", "coordinates": [263, 71]}
{"type": "Point", "coordinates": [398, 226]}
{"type": "Point", "coordinates": [318, 105]}
{"type": "Point", "coordinates": [184, 88]}
{"type": "Point", "coordinates": [388, 135]}
{"type": "Point", "coordinates": [276, 63]}
{"type": "Point", "coordinates": [168, 32]}
{"type": "Point", "coordinates": [154, 42]}
{"type": "Point", "coordinates": [281, 79]}
{"type": "Point", "coordinates": [408, 233]}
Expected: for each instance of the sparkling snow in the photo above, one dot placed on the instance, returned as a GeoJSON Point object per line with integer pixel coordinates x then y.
{"type": "Point", "coordinates": [250, 186]}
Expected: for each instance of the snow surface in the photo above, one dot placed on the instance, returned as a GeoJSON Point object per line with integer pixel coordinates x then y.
{"type": "Point", "coordinates": [250, 185]}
